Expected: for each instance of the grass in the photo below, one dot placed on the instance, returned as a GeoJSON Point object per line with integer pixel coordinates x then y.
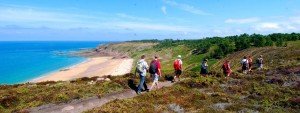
{"type": "Point", "coordinates": [273, 56]}
{"type": "Point", "coordinates": [23, 96]}
{"type": "Point", "coordinates": [202, 94]}
{"type": "Point", "coordinates": [259, 91]}
{"type": "Point", "coordinates": [166, 55]}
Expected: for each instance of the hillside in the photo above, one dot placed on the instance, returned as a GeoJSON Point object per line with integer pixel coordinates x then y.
{"type": "Point", "coordinates": [276, 89]}
{"type": "Point", "coordinates": [275, 57]}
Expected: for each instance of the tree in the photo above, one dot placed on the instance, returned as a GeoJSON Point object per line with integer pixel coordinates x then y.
{"type": "Point", "coordinates": [269, 41]}
{"type": "Point", "coordinates": [258, 40]}
{"type": "Point", "coordinates": [224, 47]}
{"type": "Point", "coordinates": [242, 42]}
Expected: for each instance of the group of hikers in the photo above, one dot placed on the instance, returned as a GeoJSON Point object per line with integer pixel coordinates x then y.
{"type": "Point", "coordinates": [247, 63]}
{"type": "Point", "coordinates": [155, 69]}
{"type": "Point", "coordinates": [155, 72]}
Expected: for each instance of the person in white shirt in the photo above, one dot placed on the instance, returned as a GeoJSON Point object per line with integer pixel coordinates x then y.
{"type": "Point", "coordinates": [260, 62]}
{"type": "Point", "coordinates": [142, 68]}
{"type": "Point", "coordinates": [245, 65]}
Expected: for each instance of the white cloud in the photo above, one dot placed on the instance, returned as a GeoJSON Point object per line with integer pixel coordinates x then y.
{"type": "Point", "coordinates": [243, 20]}
{"type": "Point", "coordinates": [33, 17]}
{"type": "Point", "coordinates": [276, 27]}
{"type": "Point", "coordinates": [123, 15]}
{"type": "Point", "coordinates": [186, 7]}
{"type": "Point", "coordinates": [164, 9]}
{"type": "Point", "coordinates": [39, 18]}
{"type": "Point", "coordinates": [268, 26]}
{"type": "Point", "coordinates": [156, 27]}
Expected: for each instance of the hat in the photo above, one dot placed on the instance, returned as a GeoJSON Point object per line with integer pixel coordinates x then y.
{"type": "Point", "coordinates": [179, 56]}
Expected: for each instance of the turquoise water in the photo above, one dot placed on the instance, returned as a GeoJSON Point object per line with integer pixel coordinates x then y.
{"type": "Point", "coordinates": [24, 61]}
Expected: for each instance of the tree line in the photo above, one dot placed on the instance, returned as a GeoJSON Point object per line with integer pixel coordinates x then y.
{"type": "Point", "coordinates": [226, 45]}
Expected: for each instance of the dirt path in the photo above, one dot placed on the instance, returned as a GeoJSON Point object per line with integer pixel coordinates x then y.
{"type": "Point", "coordinates": [78, 106]}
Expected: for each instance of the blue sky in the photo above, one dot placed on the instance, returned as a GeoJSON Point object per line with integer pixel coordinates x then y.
{"type": "Point", "coordinates": [119, 20]}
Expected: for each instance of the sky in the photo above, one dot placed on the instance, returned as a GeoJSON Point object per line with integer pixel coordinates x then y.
{"type": "Point", "coordinates": [121, 20]}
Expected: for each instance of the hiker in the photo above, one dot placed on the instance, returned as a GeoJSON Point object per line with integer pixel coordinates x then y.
{"type": "Point", "coordinates": [250, 63]}
{"type": "Point", "coordinates": [155, 71]}
{"type": "Point", "coordinates": [226, 68]}
{"type": "Point", "coordinates": [204, 67]}
{"type": "Point", "coordinates": [178, 68]}
{"type": "Point", "coordinates": [260, 62]}
{"type": "Point", "coordinates": [245, 65]}
{"type": "Point", "coordinates": [141, 68]}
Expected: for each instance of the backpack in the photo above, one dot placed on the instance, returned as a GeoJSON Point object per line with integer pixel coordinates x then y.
{"type": "Point", "coordinates": [245, 64]}
{"type": "Point", "coordinates": [176, 65]}
{"type": "Point", "coordinates": [139, 67]}
{"type": "Point", "coordinates": [153, 67]}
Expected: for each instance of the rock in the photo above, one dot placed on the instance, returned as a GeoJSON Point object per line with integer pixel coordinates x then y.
{"type": "Point", "coordinates": [246, 110]}
{"type": "Point", "coordinates": [290, 84]}
{"type": "Point", "coordinates": [100, 79]}
{"type": "Point", "coordinates": [221, 106]}
{"type": "Point", "coordinates": [223, 86]}
{"type": "Point", "coordinates": [31, 85]}
{"type": "Point", "coordinates": [68, 108]}
{"type": "Point", "coordinates": [107, 79]}
{"type": "Point", "coordinates": [91, 82]}
{"type": "Point", "coordinates": [176, 108]}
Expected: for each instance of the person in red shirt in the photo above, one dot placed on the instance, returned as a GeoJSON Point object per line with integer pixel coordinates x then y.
{"type": "Point", "coordinates": [155, 71]}
{"type": "Point", "coordinates": [178, 68]}
{"type": "Point", "coordinates": [226, 68]}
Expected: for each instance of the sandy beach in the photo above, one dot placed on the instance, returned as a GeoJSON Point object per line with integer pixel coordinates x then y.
{"type": "Point", "coordinates": [98, 66]}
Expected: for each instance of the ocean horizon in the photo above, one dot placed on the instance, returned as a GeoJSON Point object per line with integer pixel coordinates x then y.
{"type": "Point", "coordinates": [22, 61]}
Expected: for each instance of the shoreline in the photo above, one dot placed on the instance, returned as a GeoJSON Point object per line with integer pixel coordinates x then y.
{"type": "Point", "coordinates": [96, 66]}
{"type": "Point", "coordinates": [49, 73]}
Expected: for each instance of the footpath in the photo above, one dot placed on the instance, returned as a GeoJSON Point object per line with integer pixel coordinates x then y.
{"type": "Point", "coordinates": [80, 105]}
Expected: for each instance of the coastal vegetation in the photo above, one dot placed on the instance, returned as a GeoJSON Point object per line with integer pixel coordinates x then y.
{"type": "Point", "coordinates": [250, 93]}
{"type": "Point", "coordinates": [20, 97]}
{"type": "Point", "coordinates": [275, 89]}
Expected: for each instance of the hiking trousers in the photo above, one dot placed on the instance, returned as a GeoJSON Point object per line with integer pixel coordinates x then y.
{"type": "Point", "coordinates": [142, 83]}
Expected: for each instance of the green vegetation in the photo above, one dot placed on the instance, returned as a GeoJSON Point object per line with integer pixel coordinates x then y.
{"type": "Point", "coordinates": [275, 89]}
{"type": "Point", "coordinates": [229, 44]}
{"type": "Point", "coordinates": [259, 91]}
{"type": "Point", "coordinates": [213, 94]}
{"type": "Point", "coordinates": [216, 49]}
{"type": "Point", "coordinates": [23, 96]}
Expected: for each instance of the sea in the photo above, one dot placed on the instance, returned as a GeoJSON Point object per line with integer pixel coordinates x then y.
{"type": "Point", "coordinates": [22, 61]}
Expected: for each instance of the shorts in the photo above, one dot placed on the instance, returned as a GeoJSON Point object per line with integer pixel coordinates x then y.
{"type": "Point", "coordinates": [178, 72]}
{"type": "Point", "coordinates": [155, 77]}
